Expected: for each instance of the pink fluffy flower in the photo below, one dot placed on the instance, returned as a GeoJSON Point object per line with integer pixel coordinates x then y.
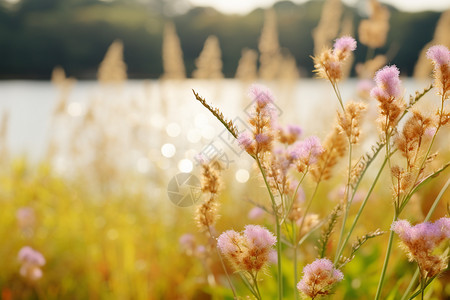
{"type": "Point", "coordinates": [388, 83]}
{"type": "Point", "coordinates": [294, 130]}
{"type": "Point", "coordinates": [307, 150]}
{"type": "Point", "coordinates": [246, 141]}
{"type": "Point", "coordinates": [319, 277]}
{"type": "Point", "coordinates": [259, 236]}
{"type": "Point", "coordinates": [439, 54]}
{"type": "Point", "coordinates": [247, 251]}
{"type": "Point", "coordinates": [344, 44]}
{"type": "Point", "coordinates": [31, 261]}
{"type": "Point", "coordinates": [261, 95]}
{"type": "Point", "coordinates": [228, 242]}
{"type": "Point", "coordinates": [421, 240]}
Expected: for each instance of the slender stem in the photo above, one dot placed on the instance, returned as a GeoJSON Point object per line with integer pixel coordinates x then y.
{"type": "Point", "coordinates": [248, 285]}
{"type": "Point", "coordinates": [278, 229]}
{"type": "Point", "coordinates": [347, 202]}
{"type": "Point", "coordinates": [411, 284]}
{"type": "Point", "coordinates": [308, 206]}
{"type": "Point", "coordinates": [255, 282]}
{"type": "Point", "coordinates": [338, 94]}
{"type": "Point", "coordinates": [422, 287]}
{"type": "Point", "coordinates": [386, 260]}
{"type": "Point", "coordinates": [293, 197]}
{"type": "Point", "coordinates": [360, 211]}
{"type": "Point", "coordinates": [294, 233]}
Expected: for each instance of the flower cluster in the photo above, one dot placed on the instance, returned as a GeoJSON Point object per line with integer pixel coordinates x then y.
{"type": "Point", "coordinates": [262, 120]}
{"type": "Point", "coordinates": [388, 93]}
{"type": "Point", "coordinates": [350, 120]}
{"type": "Point", "coordinates": [31, 261]}
{"type": "Point", "coordinates": [440, 56]}
{"type": "Point", "coordinates": [305, 153]}
{"type": "Point", "coordinates": [328, 64]}
{"type": "Point", "coordinates": [290, 134]}
{"type": "Point", "coordinates": [410, 138]}
{"type": "Point", "coordinates": [247, 251]}
{"type": "Point", "coordinates": [420, 241]}
{"type": "Point", "coordinates": [318, 278]}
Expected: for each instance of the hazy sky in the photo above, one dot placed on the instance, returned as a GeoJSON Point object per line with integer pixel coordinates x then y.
{"type": "Point", "coordinates": [245, 6]}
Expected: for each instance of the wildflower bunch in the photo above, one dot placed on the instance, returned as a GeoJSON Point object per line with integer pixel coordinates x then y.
{"type": "Point", "coordinates": [31, 261]}
{"type": "Point", "coordinates": [319, 278]}
{"type": "Point", "coordinates": [262, 120]}
{"type": "Point", "coordinates": [350, 120]}
{"type": "Point", "coordinates": [289, 135]}
{"type": "Point", "coordinates": [335, 146]}
{"type": "Point", "coordinates": [420, 240]}
{"type": "Point", "coordinates": [409, 140]}
{"type": "Point", "coordinates": [388, 93]}
{"type": "Point", "coordinates": [306, 153]}
{"type": "Point", "coordinates": [247, 251]}
{"type": "Point", "coordinates": [328, 64]}
{"type": "Point", "coordinates": [440, 56]}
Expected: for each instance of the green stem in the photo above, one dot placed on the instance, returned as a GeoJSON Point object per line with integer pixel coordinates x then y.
{"type": "Point", "coordinates": [255, 282]}
{"type": "Point", "coordinates": [341, 249]}
{"type": "Point", "coordinates": [411, 284]}
{"type": "Point", "coordinates": [278, 229]}
{"type": "Point", "coordinates": [347, 202]}
{"type": "Point", "coordinates": [308, 207]}
{"type": "Point", "coordinates": [248, 285]}
{"type": "Point", "coordinates": [386, 260]}
{"type": "Point", "coordinates": [294, 224]}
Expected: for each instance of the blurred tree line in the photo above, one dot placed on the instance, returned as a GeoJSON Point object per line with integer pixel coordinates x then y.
{"type": "Point", "coordinates": [37, 35]}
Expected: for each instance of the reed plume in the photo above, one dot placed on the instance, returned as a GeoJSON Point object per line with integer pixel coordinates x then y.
{"type": "Point", "coordinates": [247, 69]}
{"type": "Point", "coordinates": [328, 26]}
{"type": "Point", "coordinates": [269, 47]}
{"type": "Point", "coordinates": [209, 63]}
{"type": "Point", "coordinates": [373, 31]}
{"type": "Point", "coordinates": [113, 68]}
{"type": "Point", "coordinates": [172, 54]}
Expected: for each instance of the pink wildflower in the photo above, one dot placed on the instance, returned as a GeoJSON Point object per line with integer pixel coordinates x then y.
{"type": "Point", "coordinates": [439, 54]}
{"type": "Point", "coordinates": [319, 277]}
{"type": "Point", "coordinates": [421, 240]}
{"type": "Point", "coordinates": [307, 150]}
{"type": "Point", "coordinates": [261, 95]}
{"type": "Point", "coordinates": [294, 130]}
{"type": "Point", "coordinates": [246, 141]}
{"type": "Point", "coordinates": [388, 83]}
{"type": "Point", "coordinates": [31, 261]}
{"type": "Point", "coordinates": [259, 236]}
{"type": "Point", "coordinates": [248, 251]}
{"type": "Point", "coordinates": [345, 44]}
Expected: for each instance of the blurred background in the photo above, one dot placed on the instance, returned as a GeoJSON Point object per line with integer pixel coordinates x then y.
{"type": "Point", "coordinates": [35, 36]}
{"type": "Point", "coordinates": [98, 121]}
